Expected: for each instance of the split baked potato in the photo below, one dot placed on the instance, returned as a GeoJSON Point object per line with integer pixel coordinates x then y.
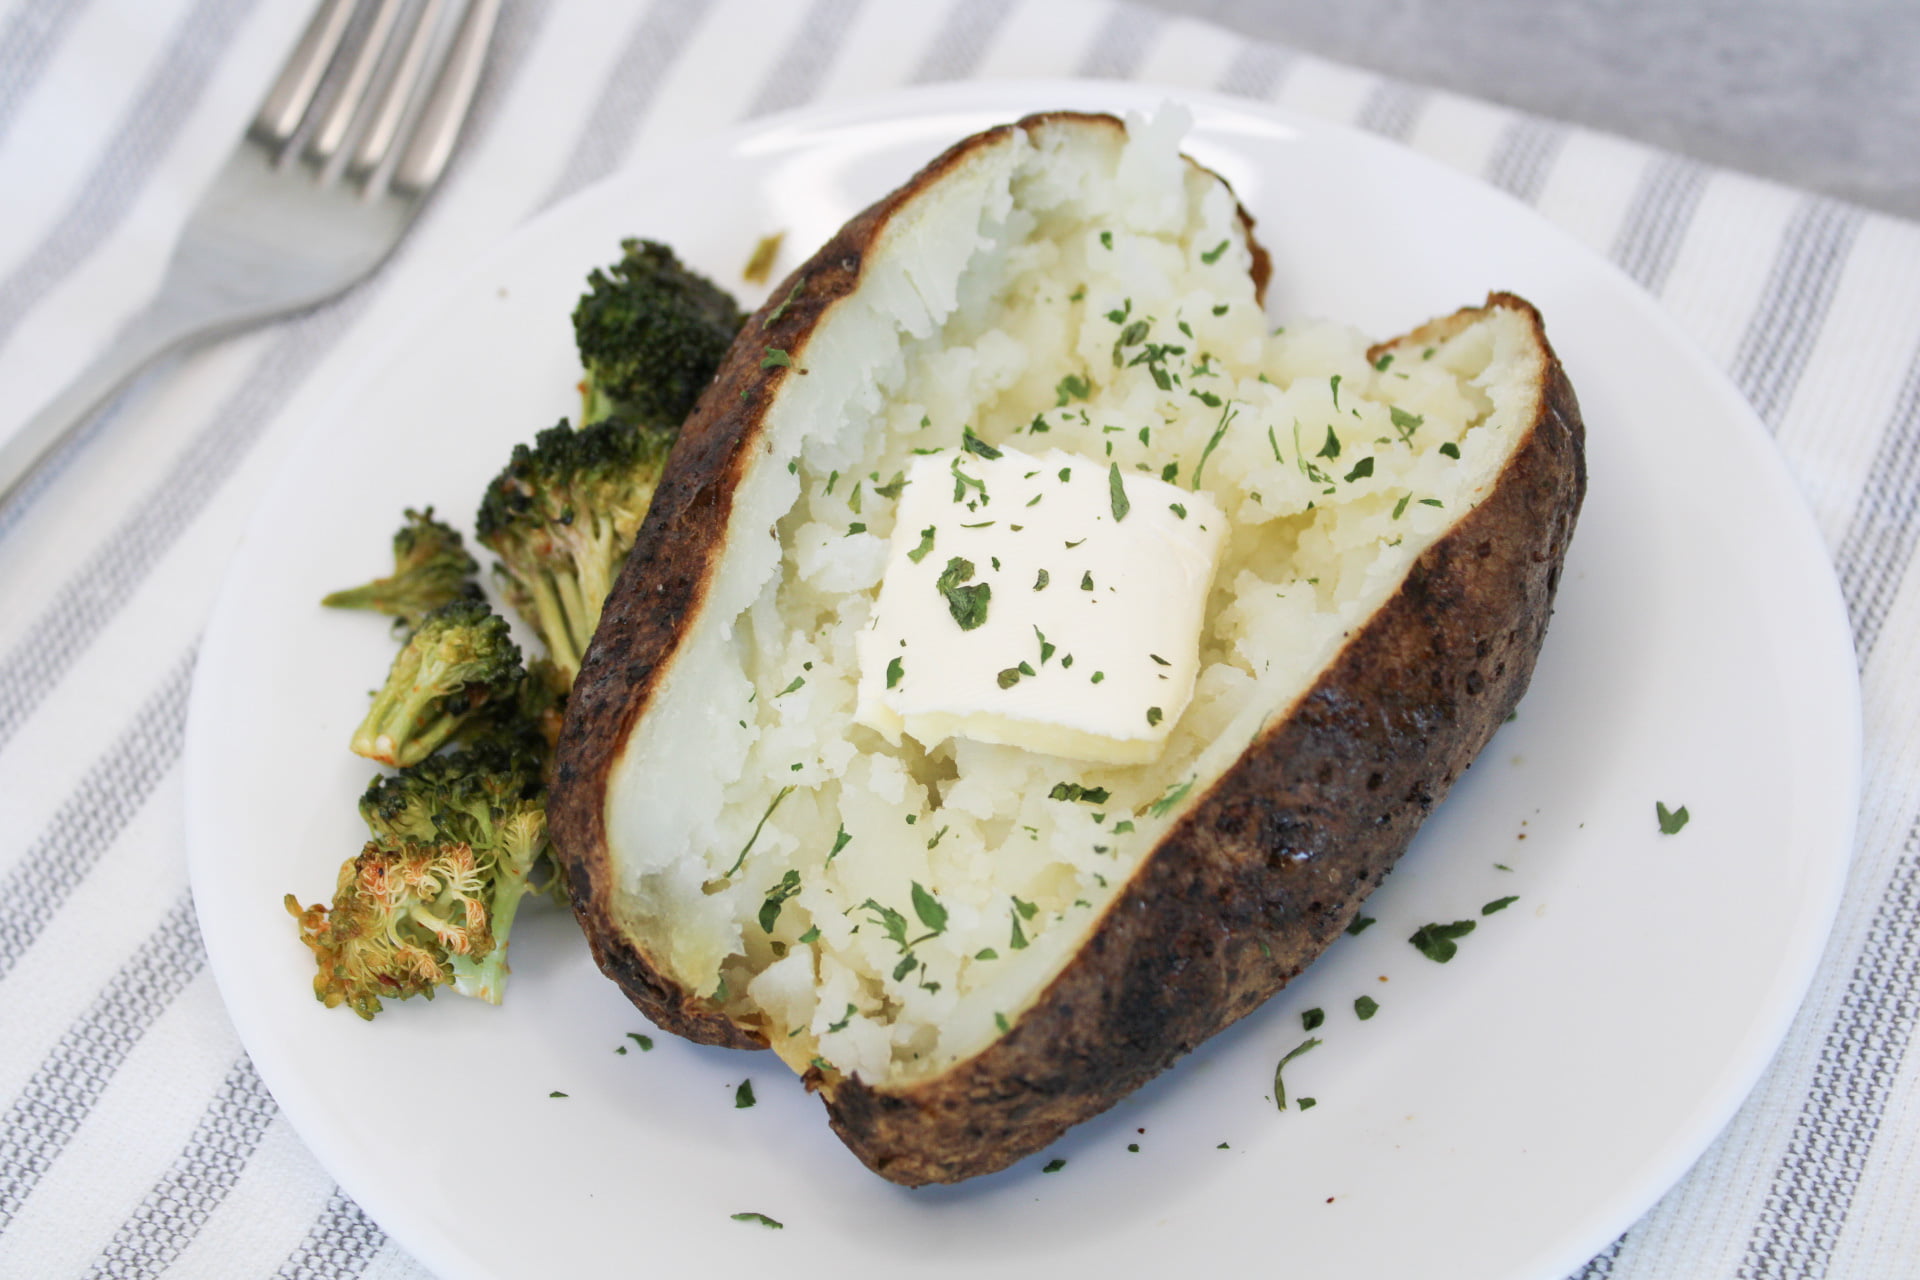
{"type": "Point", "coordinates": [968, 941]}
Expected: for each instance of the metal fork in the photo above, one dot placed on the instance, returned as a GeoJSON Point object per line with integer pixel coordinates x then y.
{"type": "Point", "coordinates": [351, 139]}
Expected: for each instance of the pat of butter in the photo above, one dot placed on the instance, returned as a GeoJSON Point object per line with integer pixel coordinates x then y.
{"type": "Point", "coordinates": [1049, 602]}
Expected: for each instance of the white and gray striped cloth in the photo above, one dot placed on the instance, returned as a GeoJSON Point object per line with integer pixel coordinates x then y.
{"type": "Point", "coordinates": [135, 1137]}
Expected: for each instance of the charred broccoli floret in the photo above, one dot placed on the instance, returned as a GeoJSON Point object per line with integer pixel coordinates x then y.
{"type": "Point", "coordinates": [651, 333]}
{"type": "Point", "coordinates": [402, 915]}
{"type": "Point", "coordinates": [431, 567]}
{"type": "Point", "coordinates": [458, 660]}
{"type": "Point", "coordinates": [562, 517]}
{"type": "Point", "coordinates": [459, 840]}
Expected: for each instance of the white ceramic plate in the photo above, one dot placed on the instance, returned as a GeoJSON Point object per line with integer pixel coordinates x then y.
{"type": "Point", "coordinates": [1504, 1115]}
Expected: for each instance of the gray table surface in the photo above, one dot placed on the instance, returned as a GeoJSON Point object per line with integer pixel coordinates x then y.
{"type": "Point", "coordinates": [1822, 94]}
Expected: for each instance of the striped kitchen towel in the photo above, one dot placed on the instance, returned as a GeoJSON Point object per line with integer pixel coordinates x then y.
{"type": "Point", "coordinates": [136, 1138]}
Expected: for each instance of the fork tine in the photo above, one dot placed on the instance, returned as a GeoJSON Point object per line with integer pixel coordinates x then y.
{"type": "Point", "coordinates": [377, 140]}
{"type": "Point", "coordinates": [427, 152]}
{"type": "Point", "coordinates": [338, 119]}
{"type": "Point", "coordinates": [287, 102]}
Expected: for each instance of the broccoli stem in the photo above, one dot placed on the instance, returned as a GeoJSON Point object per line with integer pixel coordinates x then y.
{"type": "Point", "coordinates": [554, 629]}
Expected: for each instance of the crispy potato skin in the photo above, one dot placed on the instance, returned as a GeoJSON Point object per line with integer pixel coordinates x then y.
{"type": "Point", "coordinates": [1267, 869]}
{"type": "Point", "coordinates": [1257, 878]}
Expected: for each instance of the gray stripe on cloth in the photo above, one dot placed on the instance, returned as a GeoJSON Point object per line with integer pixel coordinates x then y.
{"type": "Point", "coordinates": [339, 1245]}
{"type": "Point", "coordinates": [1779, 337]}
{"type": "Point", "coordinates": [27, 45]}
{"type": "Point", "coordinates": [94, 595]}
{"type": "Point", "coordinates": [626, 96]}
{"type": "Point", "coordinates": [1122, 43]}
{"type": "Point", "coordinates": [1525, 155]}
{"type": "Point", "coordinates": [86, 825]}
{"type": "Point", "coordinates": [965, 35]}
{"type": "Point", "coordinates": [1807, 1205]}
{"type": "Point", "coordinates": [140, 142]}
{"type": "Point", "coordinates": [46, 1114]}
{"type": "Point", "coordinates": [1878, 545]}
{"type": "Point", "coordinates": [1256, 71]}
{"type": "Point", "coordinates": [1601, 1265]}
{"type": "Point", "coordinates": [178, 1205]}
{"type": "Point", "coordinates": [1663, 204]}
{"type": "Point", "coordinates": [1392, 109]}
{"type": "Point", "coordinates": [796, 76]}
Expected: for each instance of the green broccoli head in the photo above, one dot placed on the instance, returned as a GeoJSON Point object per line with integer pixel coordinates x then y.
{"type": "Point", "coordinates": [562, 516]}
{"type": "Point", "coordinates": [458, 660]}
{"type": "Point", "coordinates": [404, 917]}
{"type": "Point", "coordinates": [431, 567]}
{"type": "Point", "coordinates": [651, 334]}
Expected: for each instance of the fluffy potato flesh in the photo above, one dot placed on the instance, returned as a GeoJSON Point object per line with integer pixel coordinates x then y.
{"type": "Point", "coordinates": [889, 916]}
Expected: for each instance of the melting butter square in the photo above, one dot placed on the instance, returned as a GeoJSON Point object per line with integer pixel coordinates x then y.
{"type": "Point", "coordinates": [1043, 601]}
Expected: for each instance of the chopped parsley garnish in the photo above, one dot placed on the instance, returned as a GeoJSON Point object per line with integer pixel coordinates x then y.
{"type": "Point", "coordinates": [1106, 239]}
{"type": "Point", "coordinates": [968, 605]}
{"type": "Point", "coordinates": [928, 908]}
{"type": "Point", "coordinates": [811, 935]}
{"type": "Point", "coordinates": [1153, 715]}
{"type": "Point", "coordinates": [1071, 387]}
{"type": "Point", "coordinates": [974, 444]}
{"type": "Point", "coordinates": [1047, 647]}
{"type": "Point", "coordinates": [1361, 469]}
{"type": "Point", "coordinates": [645, 1042]}
{"type": "Point", "coordinates": [856, 527]}
{"type": "Point", "coordinates": [1040, 582]}
{"type": "Point", "coordinates": [1117, 494]}
{"type": "Point", "coordinates": [1311, 1018]}
{"type": "Point", "coordinates": [1220, 309]}
{"type": "Point", "coordinates": [1168, 472]}
{"type": "Point", "coordinates": [1307, 1104]}
{"type": "Point", "coordinates": [776, 359]}
{"type": "Point", "coordinates": [895, 668]}
{"type": "Point", "coordinates": [1086, 580]}
{"type": "Point", "coordinates": [1499, 904]}
{"type": "Point", "coordinates": [1331, 449]}
{"type": "Point", "coordinates": [1000, 1021]}
{"type": "Point", "coordinates": [1380, 365]}
{"type": "Point", "coordinates": [1403, 422]}
{"type": "Point", "coordinates": [776, 898]}
{"type": "Point", "coordinates": [1334, 382]}
{"type": "Point", "coordinates": [797, 682]}
{"type": "Point", "coordinates": [557, 1094]}
{"type": "Point", "coordinates": [1212, 256]}
{"type": "Point", "coordinates": [1450, 450]}
{"type": "Point", "coordinates": [775, 804]}
{"type": "Point", "coordinates": [1671, 820]}
{"type": "Point", "coordinates": [762, 1218]}
{"type": "Point", "coordinates": [1400, 507]}
{"type": "Point", "coordinates": [1173, 796]}
{"type": "Point", "coordinates": [1360, 924]}
{"type": "Point", "coordinates": [1279, 1086]}
{"type": "Point", "coordinates": [1096, 677]}
{"type": "Point", "coordinates": [845, 1018]}
{"type": "Point", "coordinates": [1365, 1007]}
{"type": "Point", "coordinates": [1177, 510]}
{"type": "Point", "coordinates": [1054, 1165]}
{"type": "Point", "coordinates": [840, 841]}
{"type": "Point", "coordinates": [892, 488]}
{"type": "Point", "coordinates": [1432, 502]}
{"type": "Point", "coordinates": [1436, 941]}
{"type": "Point", "coordinates": [1008, 677]}
{"type": "Point", "coordinates": [1072, 791]}
{"type": "Point", "coordinates": [919, 553]}
{"type": "Point", "coordinates": [743, 1096]}
{"type": "Point", "coordinates": [1227, 415]}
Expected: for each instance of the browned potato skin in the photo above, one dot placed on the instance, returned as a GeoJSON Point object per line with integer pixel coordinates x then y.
{"type": "Point", "coordinates": [1257, 878]}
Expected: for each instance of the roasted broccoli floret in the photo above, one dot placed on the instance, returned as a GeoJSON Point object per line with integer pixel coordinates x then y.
{"type": "Point", "coordinates": [458, 660]}
{"type": "Point", "coordinates": [431, 567]}
{"type": "Point", "coordinates": [651, 333]}
{"type": "Point", "coordinates": [459, 840]}
{"type": "Point", "coordinates": [562, 517]}
{"type": "Point", "coordinates": [402, 916]}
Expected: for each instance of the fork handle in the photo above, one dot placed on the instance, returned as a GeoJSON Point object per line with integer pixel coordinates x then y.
{"type": "Point", "coordinates": [157, 331]}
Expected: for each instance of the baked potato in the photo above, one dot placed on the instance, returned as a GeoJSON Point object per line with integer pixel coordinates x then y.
{"type": "Point", "coordinates": [971, 930]}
